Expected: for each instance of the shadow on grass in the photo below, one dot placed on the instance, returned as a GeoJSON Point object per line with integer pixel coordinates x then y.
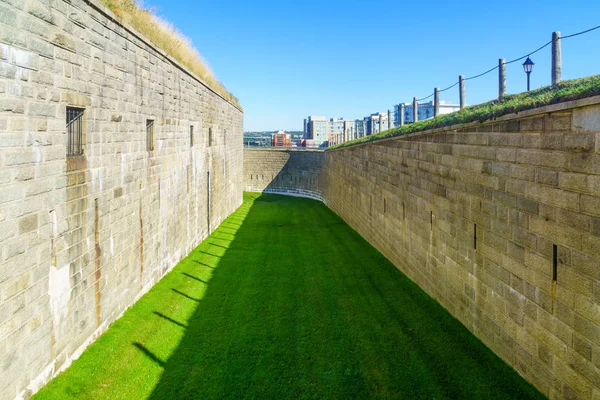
{"type": "Point", "coordinates": [299, 306]}
{"type": "Point", "coordinates": [186, 295]}
{"type": "Point", "coordinates": [293, 304]}
{"type": "Point", "coordinates": [149, 354]}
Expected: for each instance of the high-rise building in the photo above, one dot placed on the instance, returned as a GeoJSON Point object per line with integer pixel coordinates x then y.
{"type": "Point", "coordinates": [324, 132]}
{"type": "Point", "coordinates": [336, 129]}
{"type": "Point", "coordinates": [359, 128]}
{"type": "Point", "coordinates": [316, 129]}
{"type": "Point", "coordinates": [348, 131]}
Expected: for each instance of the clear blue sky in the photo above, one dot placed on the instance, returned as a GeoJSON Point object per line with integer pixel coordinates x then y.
{"type": "Point", "coordinates": [288, 59]}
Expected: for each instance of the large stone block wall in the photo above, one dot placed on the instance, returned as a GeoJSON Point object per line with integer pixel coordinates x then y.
{"type": "Point", "coordinates": [476, 215]}
{"type": "Point", "coordinates": [82, 238]}
{"type": "Point", "coordinates": [283, 171]}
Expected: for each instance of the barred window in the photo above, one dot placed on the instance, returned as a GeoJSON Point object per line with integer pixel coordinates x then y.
{"type": "Point", "coordinates": [74, 131]}
{"type": "Point", "coordinates": [191, 135]}
{"type": "Point", "coordinates": [149, 134]}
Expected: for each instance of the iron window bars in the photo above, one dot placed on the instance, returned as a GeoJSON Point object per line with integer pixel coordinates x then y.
{"type": "Point", "coordinates": [74, 131]}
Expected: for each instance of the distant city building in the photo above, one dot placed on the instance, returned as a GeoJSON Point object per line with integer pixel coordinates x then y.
{"type": "Point", "coordinates": [316, 129]}
{"type": "Point", "coordinates": [336, 131]}
{"type": "Point", "coordinates": [322, 132]}
{"type": "Point", "coordinates": [281, 139]}
{"type": "Point", "coordinates": [336, 125]}
{"type": "Point", "coordinates": [375, 123]}
{"type": "Point", "coordinates": [348, 131]}
{"type": "Point", "coordinates": [312, 144]}
{"type": "Point", "coordinates": [424, 111]}
{"type": "Point", "coordinates": [359, 128]}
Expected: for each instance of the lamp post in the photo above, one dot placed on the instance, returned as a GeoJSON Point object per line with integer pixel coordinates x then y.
{"type": "Point", "coordinates": [528, 67]}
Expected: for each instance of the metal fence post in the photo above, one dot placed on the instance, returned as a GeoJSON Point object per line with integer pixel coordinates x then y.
{"type": "Point", "coordinates": [401, 111]}
{"type": "Point", "coordinates": [415, 111]}
{"type": "Point", "coordinates": [436, 101]}
{"type": "Point", "coordinates": [556, 58]}
{"type": "Point", "coordinates": [461, 91]}
{"type": "Point", "coordinates": [501, 78]}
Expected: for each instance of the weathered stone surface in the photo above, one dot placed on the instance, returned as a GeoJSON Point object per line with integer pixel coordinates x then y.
{"type": "Point", "coordinates": [81, 238]}
{"type": "Point", "coordinates": [294, 172]}
{"type": "Point", "coordinates": [549, 196]}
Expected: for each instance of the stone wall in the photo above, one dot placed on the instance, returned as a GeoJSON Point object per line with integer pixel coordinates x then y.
{"type": "Point", "coordinates": [83, 237]}
{"type": "Point", "coordinates": [478, 216]}
{"type": "Point", "coordinates": [283, 171]}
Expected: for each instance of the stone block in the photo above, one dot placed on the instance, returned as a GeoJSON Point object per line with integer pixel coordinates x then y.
{"type": "Point", "coordinates": [586, 119]}
{"type": "Point", "coordinates": [11, 194]}
{"type": "Point", "coordinates": [590, 205]}
{"type": "Point", "coordinates": [582, 142]}
{"type": "Point", "coordinates": [28, 224]}
{"type": "Point", "coordinates": [14, 105]}
{"type": "Point", "coordinates": [585, 162]}
{"type": "Point", "coordinates": [587, 328]}
{"type": "Point", "coordinates": [591, 245]}
{"type": "Point", "coordinates": [546, 177]}
{"type": "Point", "coordinates": [532, 125]}
{"type": "Point", "coordinates": [39, 11]}
{"type": "Point", "coordinates": [575, 182]}
{"type": "Point", "coordinates": [559, 122]}
{"type": "Point", "coordinates": [552, 160]}
{"type": "Point", "coordinates": [7, 15]}
{"type": "Point", "coordinates": [41, 110]}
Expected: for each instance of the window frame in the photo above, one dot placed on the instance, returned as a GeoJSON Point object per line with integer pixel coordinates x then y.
{"type": "Point", "coordinates": [75, 131]}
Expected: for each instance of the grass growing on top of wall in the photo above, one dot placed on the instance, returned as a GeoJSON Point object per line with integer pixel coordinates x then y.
{"type": "Point", "coordinates": [564, 91]}
{"type": "Point", "coordinates": [286, 301]}
{"type": "Point", "coordinates": [166, 37]}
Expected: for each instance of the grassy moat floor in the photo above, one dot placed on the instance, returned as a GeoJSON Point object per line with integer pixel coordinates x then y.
{"type": "Point", "coordinates": [286, 301]}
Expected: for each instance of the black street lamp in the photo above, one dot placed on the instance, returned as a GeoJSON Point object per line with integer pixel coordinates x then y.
{"type": "Point", "coordinates": [528, 67]}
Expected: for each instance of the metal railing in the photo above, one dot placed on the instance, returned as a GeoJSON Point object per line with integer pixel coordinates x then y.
{"type": "Point", "coordinates": [556, 74]}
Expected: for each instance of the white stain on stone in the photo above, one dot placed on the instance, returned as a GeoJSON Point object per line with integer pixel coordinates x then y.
{"type": "Point", "coordinates": [123, 170]}
{"type": "Point", "coordinates": [59, 290]}
{"type": "Point", "coordinates": [97, 183]}
{"type": "Point", "coordinates": [59, 284]}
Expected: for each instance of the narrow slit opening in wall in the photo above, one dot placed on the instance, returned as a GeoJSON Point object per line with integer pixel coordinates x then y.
{"type": "Point", "coordinates": [430, 220]}
{"type": "Point", "coordinates": [403, 212]}
{"type": "Point", "coordinates": [191, 135]}
{"type": "Point", "coordinates": [554, 262]}
{"type": "Point", "coordinates": [475, 236]}
{"type": "Point", "coordinates": [384, 205]}
{"type": "Point", "coordinates": [96, 213]}
{"type": "Point", "coordinates": [149, 134]}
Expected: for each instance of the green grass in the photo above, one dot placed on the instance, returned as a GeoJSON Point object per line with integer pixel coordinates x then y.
{"type": "Point", "coordinates": [286, 301]}
{"type": "Point", "coordinates": [564, 91]}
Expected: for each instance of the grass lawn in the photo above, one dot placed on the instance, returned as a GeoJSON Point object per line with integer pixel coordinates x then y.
{"type": "Point", "coordinates": [286, 301]}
